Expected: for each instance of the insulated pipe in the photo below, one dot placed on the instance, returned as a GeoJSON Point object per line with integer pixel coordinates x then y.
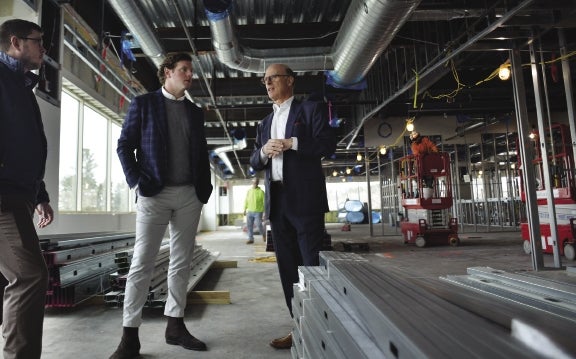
{"type": "Point", "coordinates": [135, 21]}
{"type": "Point", "coordinates": [366, 31]}
{"type": "Point", "coordinates": [232, 55]}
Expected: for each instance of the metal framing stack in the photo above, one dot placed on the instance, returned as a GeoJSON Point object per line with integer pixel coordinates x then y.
{"type": "Point", "coordinates": [158, 292]}
{"type": "Point", "coordinates": [84, 265]}
{"type": "Point", "coordinates": [349, 308]}
{"type": "Point", "coordinates": [79, 265]}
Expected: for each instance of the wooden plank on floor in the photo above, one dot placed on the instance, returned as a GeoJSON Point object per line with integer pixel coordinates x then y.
{"type": "Point", "coordinates": [224, 264]}
{"type": "Point", "coordinates": [209, 297]}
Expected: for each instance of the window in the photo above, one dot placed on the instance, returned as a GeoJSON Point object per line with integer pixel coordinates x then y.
{"type": "Point", "coordinates": [91, 177]}
{"type": "Point", "coordinates": [94, 153]}
{"type": "Point", "coordinates": [119, 194]}
{"type": "Point", "coordinates": [68, 154]}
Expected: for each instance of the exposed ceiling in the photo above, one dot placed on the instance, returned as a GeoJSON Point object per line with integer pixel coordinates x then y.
{"type": "Point", "coordinates": [378, 44]}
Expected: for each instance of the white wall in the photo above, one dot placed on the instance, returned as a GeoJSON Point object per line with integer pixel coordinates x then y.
{"type": "Point", "coordinates": [10, 9]}
{"type": "Point", "coordinates": [443, 126]}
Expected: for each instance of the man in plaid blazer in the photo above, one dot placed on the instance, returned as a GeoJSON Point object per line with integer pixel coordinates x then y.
{"type": "Point", "coordinates": [164, 155]}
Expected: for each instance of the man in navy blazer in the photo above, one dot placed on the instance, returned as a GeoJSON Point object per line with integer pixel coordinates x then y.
{"type": "Point", "coordinates": [164, 155]}
{"type": "Point", "coordinates": [290, 145]}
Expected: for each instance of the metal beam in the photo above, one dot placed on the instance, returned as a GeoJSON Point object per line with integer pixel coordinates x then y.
{"type": "Point", "coordinates": [439, 63]}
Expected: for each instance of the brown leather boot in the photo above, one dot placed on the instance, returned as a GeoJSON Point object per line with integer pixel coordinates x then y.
{"type": "Point", "coordinates": [282, 343]}
{"type": "Point", "coordinates": [129, 347]}
{"type": "Point", "coordinates": [177, 334]}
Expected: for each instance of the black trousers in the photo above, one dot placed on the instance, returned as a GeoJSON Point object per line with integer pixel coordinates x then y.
{"type": "Point", "coordinates": [297, 239]}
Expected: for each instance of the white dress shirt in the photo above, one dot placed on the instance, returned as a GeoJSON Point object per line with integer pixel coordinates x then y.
{"type": "Point", "coordinates": [278, 131]}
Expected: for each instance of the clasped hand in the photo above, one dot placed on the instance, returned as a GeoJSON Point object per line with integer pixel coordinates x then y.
{"type": "Point", "coordinates": [274, 147]}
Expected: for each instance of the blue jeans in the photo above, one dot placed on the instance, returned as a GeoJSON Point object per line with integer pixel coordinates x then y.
{"type": "Point", "coordinates": [250, 218]}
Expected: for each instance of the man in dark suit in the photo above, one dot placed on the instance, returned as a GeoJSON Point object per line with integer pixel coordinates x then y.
{"type": "Point", "coordinates": [290, 144]}
{"type": "Point", "coordinates": [164, 155]}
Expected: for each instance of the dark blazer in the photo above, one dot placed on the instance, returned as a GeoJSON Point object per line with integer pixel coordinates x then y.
{"type": "Point", "coordinates": [143, 149]}
{"type": "Point", "coordinates": [303, 177]}
{"type": "Point", "coordinates": [23, 146]}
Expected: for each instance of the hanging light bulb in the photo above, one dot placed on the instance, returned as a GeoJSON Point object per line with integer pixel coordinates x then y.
{"type": "Point", "coordinates": [335, 173]}
{"type": "Point", "coordinates": [383, 150]}
{"type": "Point", "coordinates": [410, 125]}
{"type": "Point", "coordinates": [348, 170]}
{"type": "Point", "coordinates": [359, 157]}
{"type": "Point", "coordinates": [504, 71]}
{"type": "Point", "coordinates": [533, 134]}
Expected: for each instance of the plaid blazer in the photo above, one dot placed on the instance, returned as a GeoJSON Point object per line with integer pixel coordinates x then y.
{"type": "Point", "coordinates": [143, 148]}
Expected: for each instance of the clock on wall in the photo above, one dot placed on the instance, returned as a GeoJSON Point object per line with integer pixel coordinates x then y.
{"type": "Point", "coordinates": [384, 130]}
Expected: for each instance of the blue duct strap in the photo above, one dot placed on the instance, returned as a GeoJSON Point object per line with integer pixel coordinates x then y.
{"type": "Point", "coordinates": [217, 9]}
{"type": "Point", "coordinates": [217, 16]}
{"type": "Point", "coordinates": [332, 80]}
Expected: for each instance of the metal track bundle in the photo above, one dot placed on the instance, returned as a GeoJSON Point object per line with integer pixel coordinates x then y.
{"type": "Point", "coordinates": [79, 264]}
{"type": "Point", "coordinates": [349, 308]}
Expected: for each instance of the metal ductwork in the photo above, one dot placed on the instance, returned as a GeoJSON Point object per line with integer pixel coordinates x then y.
{"type": "Point", "coordinates": [366, 31]}
{"type": "Point", "coordinates": [232, 55]}
{"type": "Point", "coordinates": [135, 21]}
{"type": "Point", "coordinates": [221, 152]}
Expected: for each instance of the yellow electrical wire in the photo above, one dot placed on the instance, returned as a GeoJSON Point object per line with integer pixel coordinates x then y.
{"type": "Point", "coordinates": [415, 87]}
{"type": "Point", "coordinates": [491, 76]}
{"type": "Point", "coordinates": [494, 73]}
{"type": "Point", "coordinates": [451, 95]}
{"type": "Point", "coordinates": [460, 85]}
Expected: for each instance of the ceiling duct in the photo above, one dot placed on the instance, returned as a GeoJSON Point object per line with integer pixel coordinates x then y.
{"type": "Point", "coordinates": [136, 23]}
{"type": "Point", "coordinates": [232, 55]}
{"type": "Point", "coordinates": [366, 31]}
{"type": "Point", "coordinates": [221, 152]}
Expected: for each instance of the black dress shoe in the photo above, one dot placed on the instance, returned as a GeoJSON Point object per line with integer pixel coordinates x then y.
{"type": "Point", "coordinates": [187, 341]}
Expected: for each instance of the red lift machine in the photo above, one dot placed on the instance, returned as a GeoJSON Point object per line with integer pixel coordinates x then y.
{"type": "Point", "coordinates": [426, 194]}
{"type": "Point", "coordinates": [561, 163]}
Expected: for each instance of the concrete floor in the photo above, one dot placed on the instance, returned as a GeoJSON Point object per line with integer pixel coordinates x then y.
{"type": "Point", "coordinates": [257, 313]}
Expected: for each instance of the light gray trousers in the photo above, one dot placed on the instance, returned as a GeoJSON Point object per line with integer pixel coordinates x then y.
{"type": "Point", "coordinates": [179, 207]}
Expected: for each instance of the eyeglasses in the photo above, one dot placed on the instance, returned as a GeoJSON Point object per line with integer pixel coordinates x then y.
{"type": "Point", "coordinates": [40, 41]}
{"type": "Point", "coordinates": [265, 80]}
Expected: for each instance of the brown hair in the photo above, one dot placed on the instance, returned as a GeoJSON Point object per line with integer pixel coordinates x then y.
{"type": "Point", "coordinates": [170, 63]}
{"type": "Point", "coordinates": [15, 27]}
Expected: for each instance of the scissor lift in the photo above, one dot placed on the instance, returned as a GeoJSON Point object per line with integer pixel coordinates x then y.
{"type": "Point", "coordinates": [561, 160]}
{"type": "Point", "coordinates": [426, 195]}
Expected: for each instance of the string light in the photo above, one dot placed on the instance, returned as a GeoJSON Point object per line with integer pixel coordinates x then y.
{"type": "Point", "coordinates": [335, 173]}
{"type": "Point", "coordinates": [383, 150]}
{"type": "Point", "coordinates": [410, 124]}
{"type": "Point", "coordinates": [504, 71]}
{"type": "Point", "coordinates": [359, 157]}
{"type": "Point", "coordinates": [533, 134]}
{"type": "Point", "coordinates": [348, 170]}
